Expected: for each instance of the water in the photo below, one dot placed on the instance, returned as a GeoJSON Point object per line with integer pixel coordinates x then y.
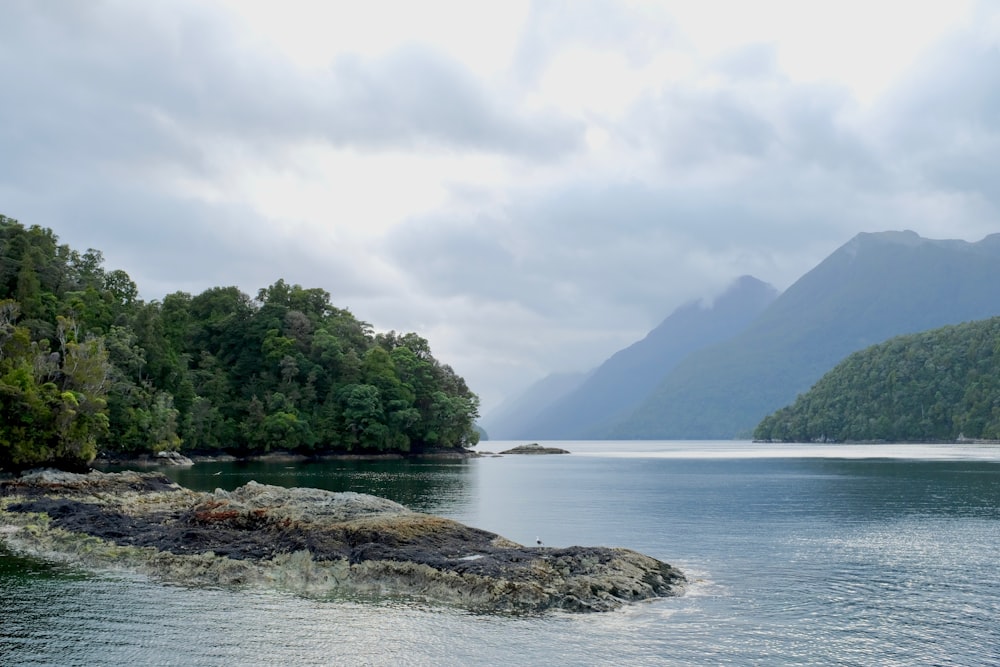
{"type": "Point", "coordinates": [798, 556]}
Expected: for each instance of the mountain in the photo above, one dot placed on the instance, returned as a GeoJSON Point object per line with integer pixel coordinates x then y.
{"type": "Point", "coordinates": [876, 286]}
{"type": "Point", "coordinates": [937, 385]}
{"type": "Point", "coordinates": [620, 384]}
{"type": "Point", "coordinates": [508, 420]}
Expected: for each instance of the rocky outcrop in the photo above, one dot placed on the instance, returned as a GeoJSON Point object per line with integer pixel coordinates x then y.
{"type": "Point", "coordinates": [160, 459]}
{"type": "Point", "coordinates": [311, 542]}
{"type": "Point", "coordinates": [535, 448]}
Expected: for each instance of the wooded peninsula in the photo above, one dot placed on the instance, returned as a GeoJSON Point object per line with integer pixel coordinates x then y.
{"type": "Point", "coordinates": [941, 385]}
{"type": "Point", "coordinates": [86, 366]}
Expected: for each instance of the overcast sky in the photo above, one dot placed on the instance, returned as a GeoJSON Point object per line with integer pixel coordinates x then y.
{"type": "Point", "coordinates": [529, 185]}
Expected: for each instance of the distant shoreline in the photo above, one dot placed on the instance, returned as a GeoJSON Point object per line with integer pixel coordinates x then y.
{"type": "Point", "coordinates": [961, 441]}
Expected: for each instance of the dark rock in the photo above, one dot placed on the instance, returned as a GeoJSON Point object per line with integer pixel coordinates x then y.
{"type": "Point", "coordinates": [535, 448]}
{"type": "Point", "coordinates": [311, 541]}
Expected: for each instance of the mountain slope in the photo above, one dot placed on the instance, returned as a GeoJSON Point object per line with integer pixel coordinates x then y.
{"type": "Point", "coordinates": [508, 420]}
{"type": "Point", "coordinates": [621, 383]}
{"type": "Point", "coordinates": [874, 287]}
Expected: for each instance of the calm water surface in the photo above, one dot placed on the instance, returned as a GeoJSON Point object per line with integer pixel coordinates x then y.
{"type": "Point", "coordinates": [798, 555]}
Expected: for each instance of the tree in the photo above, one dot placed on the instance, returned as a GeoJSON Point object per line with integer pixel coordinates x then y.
{"type": "Point", "coordinates": [936, 385]}
{"type": "Point", "coordinates": [86, 365]}
{"type": "Point", "coordinates": [52, 404]}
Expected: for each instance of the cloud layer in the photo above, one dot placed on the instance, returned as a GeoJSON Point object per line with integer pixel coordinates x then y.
{"type": "Point", "coordinates": [528, 217]}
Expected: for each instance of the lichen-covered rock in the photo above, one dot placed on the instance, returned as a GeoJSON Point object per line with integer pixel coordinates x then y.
{"type": "Point", "coordinates": [310, 541]}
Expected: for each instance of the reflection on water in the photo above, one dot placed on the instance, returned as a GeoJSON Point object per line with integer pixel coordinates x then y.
{"type": "Point", "coordinates": [744, 449]}
{"type": "Point", "coordinates": [802, 558]}
{"type": "Point", "coordinates": [911, 488]}
{"type": "Point", "coordinates": [437, 487]}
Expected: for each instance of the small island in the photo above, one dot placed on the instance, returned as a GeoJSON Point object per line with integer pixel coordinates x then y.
{"type": "Point", "coordinates": [310, 542]}
{"type": "Point", "coordinates": [535, 448]}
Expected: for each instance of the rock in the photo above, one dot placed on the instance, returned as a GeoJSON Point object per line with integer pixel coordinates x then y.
{"type": "Point", "coordinates": [173, 459]}
{"type": "Point", "coordinates": [58, 482]}
{"type": "Point", "coordinates": [311, 542]}
{"type": "Point", "coordinates": [535, 448]}
{"type": "Point", "coordinates": [144, 460]}
{"type": "Point", "coordinates": [446, 454]}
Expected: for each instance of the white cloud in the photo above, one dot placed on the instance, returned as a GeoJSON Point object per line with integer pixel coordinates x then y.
{"type": "Point", "coordinates": [528, 185]}
{"type": "Point", "coordinates": [313, 34]}
{"type": "Point", "coordinates": [862, 45]}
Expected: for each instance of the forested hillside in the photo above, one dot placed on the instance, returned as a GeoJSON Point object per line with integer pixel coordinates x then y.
{"type": "Point", "coordinates": [87, 366]}
{"type": "Point", "coordinates": [938, 385]}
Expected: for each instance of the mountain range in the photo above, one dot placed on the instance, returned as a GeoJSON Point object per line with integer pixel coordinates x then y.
{"type": "Point", "coordinates": [585, 405]}
{"type": "Point", "coordinates": [714, 371]}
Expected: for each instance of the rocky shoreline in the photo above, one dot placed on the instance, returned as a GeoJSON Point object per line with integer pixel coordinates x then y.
{"type": "Point", "coordinates": [166, 459]}
{"type": "Point", "coordinates": [310, 542]}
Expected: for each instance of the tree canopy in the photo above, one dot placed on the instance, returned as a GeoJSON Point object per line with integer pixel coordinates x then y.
{"type": "Point", "coordinates": [87, 366]}
{"type": "Point", "coordinates": [939, 385]}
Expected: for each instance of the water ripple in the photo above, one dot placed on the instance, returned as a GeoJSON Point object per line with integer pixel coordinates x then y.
{"type": "Point", "coordinates": [793, 562]}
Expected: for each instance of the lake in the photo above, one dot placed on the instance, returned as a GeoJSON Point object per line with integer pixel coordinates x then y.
{"type": "Point", "coordinates": [797, 555]}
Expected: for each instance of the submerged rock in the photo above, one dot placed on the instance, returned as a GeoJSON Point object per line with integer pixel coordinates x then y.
{"type": "Point", "coordinates": [312, 542]}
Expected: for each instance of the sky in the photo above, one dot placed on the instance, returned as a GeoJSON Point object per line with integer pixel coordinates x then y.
{"type": "Point", "coordinates": [531, 186]}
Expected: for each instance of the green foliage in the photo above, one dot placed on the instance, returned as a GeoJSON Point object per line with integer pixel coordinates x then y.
{"type": "Point", "coordinates": [940, 385]}
{"type": "Point", "coordinates": [52, 404]}
{"type": "Point", "coordinates": [86, 365]}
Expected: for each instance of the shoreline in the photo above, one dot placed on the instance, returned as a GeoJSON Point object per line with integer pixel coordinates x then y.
{"type": "Point", "coordinates": [105, 460]}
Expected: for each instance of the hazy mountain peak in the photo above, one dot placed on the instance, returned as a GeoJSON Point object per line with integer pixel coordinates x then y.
{"type": "Point", "coordinates": [874, 287]}
{"type": "Point", "coordinates": [910, 239]}
{"type": "Point", "coordinates": [743, 288]}
{"type": "Point", "coordinates": [619, 384]}
{"type": "Point", "coordinates": [904, 237]}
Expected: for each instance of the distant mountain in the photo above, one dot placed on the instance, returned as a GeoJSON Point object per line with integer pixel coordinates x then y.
{"type": "Point", "coordinates": [508, 420]}
{"type": "Point", "coordinates": [942, 384]}
{"type": "Point", "coordinates": [874, 287]}
{"type": "Point", "coordinates": [621, 383]}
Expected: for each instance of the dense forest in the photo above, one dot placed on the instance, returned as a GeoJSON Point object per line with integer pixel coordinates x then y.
{"type": "Point", "coordinates": [939, 385]}
{"type": "Point", "coordinates": [86, 366]}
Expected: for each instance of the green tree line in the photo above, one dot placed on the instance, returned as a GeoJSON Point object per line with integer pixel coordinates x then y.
{"type": "Point", "coordinates": [86, 366]}
{"type": "Point", "coordinates": [939, 385]}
